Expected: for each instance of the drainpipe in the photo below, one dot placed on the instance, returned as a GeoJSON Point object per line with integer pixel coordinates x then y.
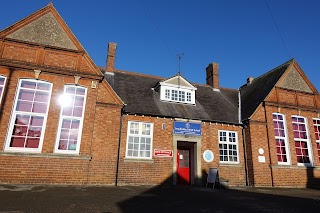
{"type": "Point", "coordinates": [266, 120]}
{"type": "Point", "coordinates": [119, 142]}
{"type": "Point", "coordinates": [243, 139]}
{"type": "Point", "coordinates": [245, 153]}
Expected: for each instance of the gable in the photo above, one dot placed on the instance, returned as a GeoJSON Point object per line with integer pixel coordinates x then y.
{"type": "Point", "coordinates": [294, 81]}
{"type": "Point", "coordinates": [178, 81]}
{"type": "Point", "coordinates": [22, 42]}
{"type": "Point", "coordinates": [44, 30]}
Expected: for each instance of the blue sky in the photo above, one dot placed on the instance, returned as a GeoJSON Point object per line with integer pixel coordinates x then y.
{"type": "Point", "coordinates": [239, 35]}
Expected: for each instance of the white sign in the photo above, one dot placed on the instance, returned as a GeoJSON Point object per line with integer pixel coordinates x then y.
{"type": "Point", "coordinates": [208, 156]}
{"type": "Point", "coordinates": [262, 159]}
{"type": "Point", "coordinates": [261, 151]}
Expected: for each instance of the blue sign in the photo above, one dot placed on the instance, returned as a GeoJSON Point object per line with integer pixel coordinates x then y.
{"type": "Point", "coordinates": [186, 128]}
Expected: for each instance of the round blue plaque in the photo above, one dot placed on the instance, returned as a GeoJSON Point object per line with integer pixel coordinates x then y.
{"type": "Point", "coordinates": [208, 156]}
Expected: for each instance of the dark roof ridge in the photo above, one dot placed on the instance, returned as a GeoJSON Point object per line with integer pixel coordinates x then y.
{"type": "Point", "coordinates": [274, 69]}
{"type": "Point", "coordinates": [139, 74]}
{"type": "Point", "coordinates": [162, 78]}
{"type": "Point", "coordinates": [224, 88]}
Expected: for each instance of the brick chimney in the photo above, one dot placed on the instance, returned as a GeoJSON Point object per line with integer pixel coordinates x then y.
{"type": "Point", "coordinates": [111, 56]}
{"type": "Point", "coordinates": [212, 77]}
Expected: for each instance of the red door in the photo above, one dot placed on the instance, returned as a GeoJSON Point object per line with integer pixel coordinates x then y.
{"type": "Point", "coordinates": [183, 167]}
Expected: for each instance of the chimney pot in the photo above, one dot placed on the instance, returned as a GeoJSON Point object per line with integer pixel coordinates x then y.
{"type": "Point", "coordinates": [249, 80]}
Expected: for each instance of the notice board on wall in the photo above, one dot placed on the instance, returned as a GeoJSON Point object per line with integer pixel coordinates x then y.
{"type": "Point", "coordinates": [213, 176]}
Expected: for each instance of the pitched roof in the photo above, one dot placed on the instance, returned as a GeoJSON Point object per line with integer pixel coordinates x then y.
{"type": "Point", "coordinates": [254, 93]}
{"type": "Point", "coordinates": [136, 90]}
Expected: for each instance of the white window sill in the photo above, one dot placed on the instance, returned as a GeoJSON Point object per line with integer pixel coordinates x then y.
{"type": "Point", "coordinates": [237, 164]}
{"type": "Point", "coordinates": [45, 155]}
{"type": "Point", "coordinates": [295, 167]}
{"type": "Point", "coordinates": [138, 160]}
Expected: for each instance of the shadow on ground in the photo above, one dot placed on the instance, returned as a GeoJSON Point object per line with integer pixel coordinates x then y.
{"type": "Point", "coordinates": [163, 198]}
{"type": "Point", "coordinates": [194, 199]}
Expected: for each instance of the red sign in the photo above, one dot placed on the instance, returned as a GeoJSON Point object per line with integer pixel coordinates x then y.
{"type": "Point", "coordinates": [163, 153]}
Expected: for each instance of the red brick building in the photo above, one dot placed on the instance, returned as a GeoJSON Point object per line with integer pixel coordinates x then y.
{"type": "Point", "coordinates": [54, 107]}
{"type": "Point", "coordinates": [63, 120]}
{"type": "Point", "coordinates": [280, 111]}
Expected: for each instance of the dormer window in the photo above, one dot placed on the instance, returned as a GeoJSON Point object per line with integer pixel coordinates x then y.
{"type": "Point", "coordinates": [177, 89]}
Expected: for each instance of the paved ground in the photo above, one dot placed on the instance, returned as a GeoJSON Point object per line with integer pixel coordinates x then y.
{"type": "Point", "coordinates": [18, 199]}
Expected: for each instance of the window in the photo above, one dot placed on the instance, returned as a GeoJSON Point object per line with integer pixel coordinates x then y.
{"type": "Point", "coordinates": [2, 83]}
{"type": "Point", "coordinates": [71, 119]}
{"type": "Point", "coordinates": [167, 95]}
{"type": "Point", "coordinates": [177, 89]}
{"type": "Point", "coordinates": [281, 138]}
{"type": "Point", "coordinates": [181, 96]}
{"type": "Point", "coordinates": [139, 140]}
{"type": "Point", "coordinates": [228, 146]}
{"type": "Point", "coordinates": [301, 140]}
{"type": "Point", "coordinates": [178, 95]}
{"type": "Point", "coordinates": [316, 126]}
{"type": "Point", "coordinates": [188, 97]}
{"type": "Point", "coordinates": [28, 121]}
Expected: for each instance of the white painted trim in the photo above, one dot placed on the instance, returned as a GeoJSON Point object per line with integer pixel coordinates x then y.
{"type": "Point", "coordinates": [227, 142]}
{"type": "Point", "coordinates": [3, 87]}
{"type": "Point", "coordinates": [286, 141]}
{"type": "Point", "coordinates": [77, 151]}
{"type": "Point", "coordinates": [139, 135]}
{"type": "Point", "coordinates": [307, 140]}
{"type": "Point", "coordinates": [14, 113]}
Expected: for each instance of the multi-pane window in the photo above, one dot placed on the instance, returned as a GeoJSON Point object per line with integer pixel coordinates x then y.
{"type": "Point", "coordinates": [28, 121]}
{"type": "Point", "coordinates": [181, 96]}
{"type": "Point", "coordinates": [2, 83]}
{"type": "Point", "coordinates": [174, 95]}
{"type": "Point", "coordinates": [316, 126]}
{"type": "Point", "coordinates": [71, 119]}
{"type": "Point", "coordinates": [188, 97]}
{"type": "Point", "coordinates": [228, 147]}
{"type": "Point", "coordinates": [301, 140]}
{"type": "Point", "coordinates": [177, 95]}
{"type": "Point", "coordinates": [280, 138]}
{"type": "Point", "coordinates": [139, 140]}
{"type": "Point", "coordinates": [167, 94]}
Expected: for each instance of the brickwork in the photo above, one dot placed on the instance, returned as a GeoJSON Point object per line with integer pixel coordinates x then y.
{"type": "Point", "coordinates": [261, 135]}
{"type": "Point", "coordinates": [160, 170]}
{"type": "Point", "coordinates": [96, 162]}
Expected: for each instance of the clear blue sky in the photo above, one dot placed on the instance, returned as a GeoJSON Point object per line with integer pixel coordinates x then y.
{"type": "Point", "coordinates": [239, 35]}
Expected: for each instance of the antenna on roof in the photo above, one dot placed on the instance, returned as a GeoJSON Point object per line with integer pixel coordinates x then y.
{"type": "Point", "coordinates": [180, 55]}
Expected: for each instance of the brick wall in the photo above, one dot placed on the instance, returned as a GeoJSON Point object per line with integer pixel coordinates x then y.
{"type": "Point", "coordinates": [160, 170]}
{"type": "Point", "coordinates": [260, 134]}
{"type": "Point", "coordinates": [96, 162]}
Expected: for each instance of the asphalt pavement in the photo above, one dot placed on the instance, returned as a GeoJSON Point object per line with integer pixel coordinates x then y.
{"type": "Point", "coordinates": [111, 199]}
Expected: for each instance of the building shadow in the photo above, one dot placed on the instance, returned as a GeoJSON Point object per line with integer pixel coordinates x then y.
{"type": "Point", "coordinates": [169, 198]}
{"type": "Point", "coordinates": [312, 181]}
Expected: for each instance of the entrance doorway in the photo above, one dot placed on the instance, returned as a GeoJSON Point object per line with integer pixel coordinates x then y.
{"type": "Point", "coordinates": [185, 163]}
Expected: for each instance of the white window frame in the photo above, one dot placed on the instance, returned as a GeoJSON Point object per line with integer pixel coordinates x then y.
{"type": "Point", "coordinates": [14, 114]}
{"type": "Point", "coordinates": [227, 142]}
{"type": "Point", "coordinates": [62, 117]}
{"type": "Point", "coordinates": [139, 135]}
{"type": "Point", "coordinates": [285, 138]}
{"type": "Point", "coordinates": [177, 91]}
{"type": "Point", "coordinates": [307, 140]}
{"type": "Point", "coordinates": [3, 87]}
{"type": "Point", "coordinates": [317, 133]}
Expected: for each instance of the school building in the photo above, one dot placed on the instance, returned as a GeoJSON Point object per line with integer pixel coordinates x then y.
{"type": "Point", "coordinates": [64, 120]}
